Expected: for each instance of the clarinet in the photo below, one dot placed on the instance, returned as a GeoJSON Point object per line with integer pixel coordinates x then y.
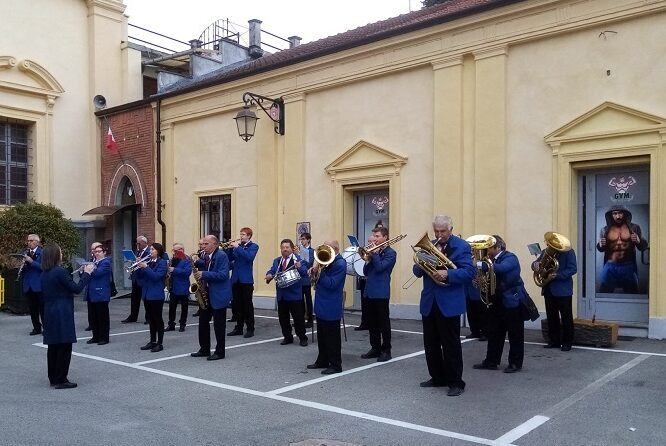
{"type": "Point", "coordinates": [20, 271]}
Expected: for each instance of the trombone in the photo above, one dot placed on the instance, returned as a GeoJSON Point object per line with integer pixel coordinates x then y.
{"type": "Point", "coordinates": [366, 251]}
{"type": "Point", "coordinates": [135, 266]}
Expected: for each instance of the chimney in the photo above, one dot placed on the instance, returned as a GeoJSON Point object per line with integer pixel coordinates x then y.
{"type": "Point", "coordinates": [294, 41]}
{"type": "Point", "coordinates": [195, 43]}
{"type": "Point", "coordinates": [255, 38]}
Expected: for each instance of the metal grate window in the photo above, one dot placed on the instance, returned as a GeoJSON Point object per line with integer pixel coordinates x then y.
{"type": "Point", "coordinates": [13, 163]}
{"type": "Point", "coordinates": [215, 214]}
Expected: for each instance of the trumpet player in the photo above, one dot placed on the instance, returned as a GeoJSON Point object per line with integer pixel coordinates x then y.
{"type": "Point", "coordinates": [377, 270]}
{"type": "Point", "coordinates": [289, 295]}
{"type": "Point", "coordinates": [557, 294]}
{"type": "Point", "coordinates": [142, 251]}
{"type": "Point", "coordinates": [307, 255]}
{"type": "Point", "coordinates": [441, 305]}
{"type": "Point", "coordinates": [179, 272]}
{"type": "Point", "coordinates": [98, 295]}
{"type": "Point", "coordinates": [30, 274]}
{"type": "Point", "coordinates": [151, 275]}
{"type": "Point", "coordinates": [242, 282]}
{"type": "Point", "coordinates": [328, 310]}
{"type": "Point", "coordinates": [213, 271]}
{"type": "Point", "coordinates": [504, 315]}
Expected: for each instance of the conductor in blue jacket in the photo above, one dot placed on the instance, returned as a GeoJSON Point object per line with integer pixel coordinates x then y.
{"type": "Point", "coordinates": [58, 301]}
{"type": "Point", "coordinates": [30, 276]}
{"type": "Point", "coordinates": [442, 303]}
{"type": "Point", "coordinates": [98, 295]}
{"type": "Point", "coordinates": [504, 314]}
{"type": "Point", "coordinates": [213, 271]}
{"type": "Point", "coordinates": [557, 294]}
{"type": "Point", "coordinates": [242, 282]}
{"type": "Point", "coordinates": [289, 292]}
{"type": "Point", "coordinates": [328, 311]}
{"type": "Point", "coordinates": [377, 270]}
{"type": "Point", "coordinates": [151, 275]}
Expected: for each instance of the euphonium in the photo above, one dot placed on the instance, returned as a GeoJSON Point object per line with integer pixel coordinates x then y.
{"type": "Point", "coordinates": [430, 259]}
{"type": "Point", "coordinates": [324, 256]}
{"type": "Point", "coordinates": [548, 263]}
{"type": "Point", "coordinates": [485, 281]}
{"type": "Point", "coordinates": [198, 288]}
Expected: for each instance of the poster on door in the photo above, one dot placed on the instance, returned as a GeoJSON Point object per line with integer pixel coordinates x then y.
{"type": "Point", "coordinates": [622, 222]}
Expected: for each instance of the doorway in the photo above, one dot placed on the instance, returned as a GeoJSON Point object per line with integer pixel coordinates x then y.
{"type": "Point", "coordinates": [615, 234]}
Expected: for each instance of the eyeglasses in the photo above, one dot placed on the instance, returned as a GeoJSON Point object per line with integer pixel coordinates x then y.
{"type": "Point", "coordinates": [32, 240]}
{"type": "Point", "coordinates": [97, 250]}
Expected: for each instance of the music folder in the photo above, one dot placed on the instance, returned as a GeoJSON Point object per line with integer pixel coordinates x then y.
{"type": "Point", "coordinates": [129, 255]}
{"type": "Point", "coordinates": [534, 249]}
{"type": "Point", "coordinates": [353, 240]}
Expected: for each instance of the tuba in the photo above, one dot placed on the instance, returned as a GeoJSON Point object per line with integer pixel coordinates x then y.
{"type": "Point", "coordinates": [485, 281]}
{"type": "Point", "coordinates": [430, 259]}
{"type": "Point", "coordinates": [548, 263]}
{"type": "Point", "coordinates": [324, 256]}
{"type": "Point", "coordinates": [198, 288]}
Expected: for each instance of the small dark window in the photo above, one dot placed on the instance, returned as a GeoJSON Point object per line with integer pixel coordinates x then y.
{"type": "Point", "coordinates": [215, 212]}
{"type": "Point", "coordinates": [13, 163]}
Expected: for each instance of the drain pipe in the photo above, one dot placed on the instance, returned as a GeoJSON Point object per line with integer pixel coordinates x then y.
{"type": "Point", "coordinates": [158, 155]}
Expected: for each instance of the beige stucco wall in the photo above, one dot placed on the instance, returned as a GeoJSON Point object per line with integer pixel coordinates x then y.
{"type": "Point", "coordinates": [77, 45]}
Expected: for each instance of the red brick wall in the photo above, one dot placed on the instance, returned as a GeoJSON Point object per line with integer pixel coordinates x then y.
{"type": "Point", "coordinates": [134, 133]}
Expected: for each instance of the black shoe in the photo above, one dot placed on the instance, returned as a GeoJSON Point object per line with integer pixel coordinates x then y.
{"type": "Point", "coordinates": [196, 314]}
{"type": "Point", "coordinates": [566, 348]}
{"type": "Point", "coordinates": [148, 346]}
{"type": "Point", "coordinates": [372, 353]}
{"type": "Point", "coordinates": [431, 383]}
{"type": "Point", "coordinates": [145, 322]}
{"type": "Point", "coordinates": [249, 334]}
{"type": "Point", "coordinates": [316, 366]}
{"type": "Point", "coordinates": [512, 369]}
{"type": "Point", "coordinates": [485, 366]}
{"type": "Point", "coordinates": [88, 328]}
{"type": "Point", "coordinates": [384, 356]}
{"type": "Point", "coordinates": [552, 346]}
{"type": "Point", "coordinates": [330, 371]}
{"type": "Point", "coordinates": [455, 391]}
{"type": "Point", "coordinates": [127, 321]}
{"type": "Point", "coordinates": [170, 328]}
{"type": "Point", "coordinates": [215, 357]}
{"type": "Point", "coordinates": [483, 338]}
{"type": "Point", "coordinates": [157, 348]}
{"type": "Point", "coordinates": [473, 336]}
{"type": "Point", "coordinates": [361, 328]}
{"type": "Point", "coordinates": [233, 319]}
{"type": "Point", "coordinates": [65, 385]}
{"type": "Point", "coordinates": [286, 341]}
{"type": "Point", "coordinates": [35, 332]}
{"type": "Point", "coordinates": [303, 342]}
{"type": "Point", "coordinates": [308, 324]}
{"type": "Point", "coordinates": [92, 341]}
{"type": "Point", "coordinates": [200, 354]}
{"type": "Point", "coordinates": [235, 332]}
{"type": "Point", "coordinates": [102, 342]}
{"type": "Point", "coordinates": [181, 329]}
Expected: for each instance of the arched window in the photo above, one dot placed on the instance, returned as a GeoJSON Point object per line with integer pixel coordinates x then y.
{"type": "Point", "coordinates": [126, 192]}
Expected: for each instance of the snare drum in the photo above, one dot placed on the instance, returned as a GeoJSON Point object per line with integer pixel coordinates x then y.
{"type": "Point", "coordinates": [354, 261]}
{"type": "Point", "coordinates": [287, 278]}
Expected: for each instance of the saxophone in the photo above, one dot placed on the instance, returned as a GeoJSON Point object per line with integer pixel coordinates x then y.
{"type": "Point", "coordinates": [199, 287]}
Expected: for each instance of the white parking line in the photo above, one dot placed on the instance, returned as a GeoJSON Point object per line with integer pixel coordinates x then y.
{"type": "Point", "coordinates": [608, 350]}
{"type": "Point", "coordinates": [302, 403]}
{"type": "Point", "coordinates": [523, 429]}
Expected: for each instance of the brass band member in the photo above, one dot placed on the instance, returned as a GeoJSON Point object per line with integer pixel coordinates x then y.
{"type": "Point", "coordinates": [151, 275]}
{"type": "Point", "coordinates": [328, 310]}
{"type": "Point", "coordinates": [98, 295]}
{"type": "Point", "coordinates": [200, 251]}
{"type": "Point", "coordinates": [504, 315]}
{"type": "Point", "coordinates": [307, 256]}
{"type": "Point", "coordinates": [32, 289]}
{"type": "Point", "coordinates": [441, 305]}
{"type": "Point", "coordinates": [377, 270]}
{"type": "Point", "coordinates": [179, 272]}
{"type": "Point", "coordinates": [242, 282]}
{"type": "Point", "coordinates": [289, 298]}
{"type": "Point", "coordinates": [142, 250]}
{"type": "Point", "coordinates": [93, 247]}
{"type": "Point", "coordinates": [213, 271]}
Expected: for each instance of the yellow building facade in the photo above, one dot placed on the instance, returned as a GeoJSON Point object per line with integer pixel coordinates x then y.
{"type": "Point", "coordinates": [503, 119]}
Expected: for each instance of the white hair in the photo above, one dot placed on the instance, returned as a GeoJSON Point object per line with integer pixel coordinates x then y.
{"type": "Point", "coordinates": [443, 220]}
{"type": "Point", "coordinates": [143, 239]}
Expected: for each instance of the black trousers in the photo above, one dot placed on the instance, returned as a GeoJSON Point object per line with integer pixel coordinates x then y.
{"type": "Point", "coordinates": [364, 302]}
{"type": "Point", "coordinates": [477, 317]}
{"type": "Point", "coordinates": [154, 313]}
{"type": "Point", "coordinates": [36, 308]}
{"type": "Point", "coordinates": [307, 301]}
{"type": "Point", "coordinates": [503, 321]}
{"type": "Point", "coordinates": [90, 315]}
{"type": "Point", "coordinates": [135, 303]}
{"type": "Point", "coordinates": [242, 293]}
{"type": "Point", "coordinates": [99, 320]}
{"type": "Point", "coordinates": [174, 300]}
{"type": "Point", "coordinates": [58, 357]}
{"type": "Point", "coordinates": [329, 343]}
{"type": "Point", "coordinates": [379, 324]}
{"type": "Point", "coordinates": [561, 331]}
{"type": "Point", "coordinates": [295, 308]}
{"type": "Point", "coordinates": [443, 351]}
{"type": "Point", "coordinates": [219, 326]}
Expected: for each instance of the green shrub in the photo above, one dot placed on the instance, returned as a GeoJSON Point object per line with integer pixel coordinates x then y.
{"type": "Point", "coordinates": [45, 220]}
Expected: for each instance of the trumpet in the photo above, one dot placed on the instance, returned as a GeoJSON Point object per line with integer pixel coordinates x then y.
{"type": "Point", "coordinates": [135, 266]}
{"type": "Point", "coordinates": [83, 265]}
{"type": "Point", "coordinates": [227, 245]}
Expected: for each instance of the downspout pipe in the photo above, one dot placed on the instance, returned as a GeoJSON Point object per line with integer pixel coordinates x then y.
{"type": "Point", "coordinates": [158, 168]}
